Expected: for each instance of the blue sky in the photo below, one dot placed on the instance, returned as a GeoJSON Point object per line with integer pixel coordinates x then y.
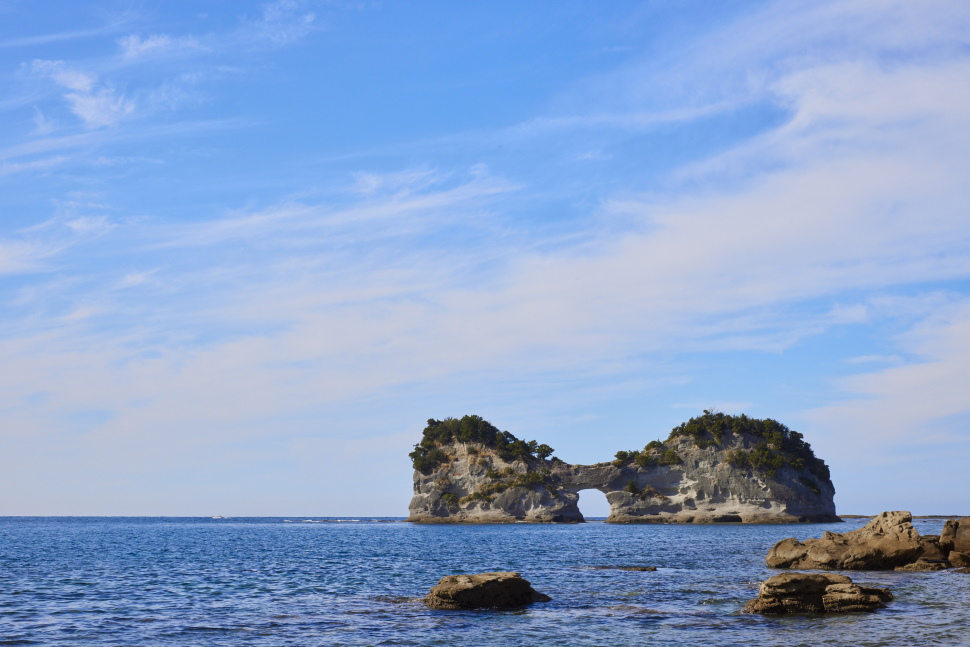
{"type": "Point", "coordinates": [247, 249]}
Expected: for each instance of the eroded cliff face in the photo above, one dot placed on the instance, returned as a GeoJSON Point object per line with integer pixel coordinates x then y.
{"type": "Point", "coordinates": [684, 480]}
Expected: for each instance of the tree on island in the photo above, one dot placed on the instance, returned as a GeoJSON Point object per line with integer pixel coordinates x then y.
{"type": "Point", "coordinates": [471, 429]}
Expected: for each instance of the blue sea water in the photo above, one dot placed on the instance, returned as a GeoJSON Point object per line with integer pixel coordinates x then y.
{"type": "Point", "coordinates": [271, 582]}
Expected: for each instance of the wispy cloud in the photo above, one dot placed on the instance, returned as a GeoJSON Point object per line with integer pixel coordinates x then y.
{"type": "Point", "coordinates": [103, 107]}
{"type": "Point", "coordinates": [281, 22]}
{"type": "Point", "coordinates": [792, 235]}
{"type": "Point", "coordinates": [9, 168]}
{"type": "Point", "coordinates": [96, 104]}
{"type": "Point", "coordinates": [44, 39]}
{"type": "Point", "coordinates": [909, 403]}
{"type": "Point", "coordinates": [135, 47]}
{"type": "Point", "coordinates": [65, 76]}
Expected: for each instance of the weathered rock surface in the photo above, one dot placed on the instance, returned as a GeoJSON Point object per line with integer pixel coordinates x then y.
{"type": "Point", "coordinates": [956, 535]}
{"type": "Point", "coordinates": [956, 558]}
{"type": "Point", "coordinates": [686, 479]}
{"type": "Point", "coordinates": [921, 565]}
{"type": "Point", "coordinates": [493, 590]}
{"type": "Point", "coordinates": [887, 542]}
{"type": "Point", "coordinates": [815, 593]}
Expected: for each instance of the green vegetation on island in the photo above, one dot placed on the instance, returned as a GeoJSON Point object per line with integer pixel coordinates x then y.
{"type": "Point", "coordinates": [428, 455]}
{"type": "Point", "coordinates": [779, 447]}
{"type": "Point", "coordinates": [654, 453]}
{"type": "Point", "coordinates": [507, 479]}
{"type": "Point", "coordinates": [646, 492]}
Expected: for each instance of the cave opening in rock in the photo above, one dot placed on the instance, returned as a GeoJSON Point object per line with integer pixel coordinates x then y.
{"type": "Point", "coordinates": [593, 504]}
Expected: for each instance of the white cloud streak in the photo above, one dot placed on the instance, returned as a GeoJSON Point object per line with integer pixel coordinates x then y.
{"type": "Point", "coordinates": [135, 47]}
{"type": "Point", "coordinates": [282, 22]}
{"type": "Point", "coordinates": [96, 104]}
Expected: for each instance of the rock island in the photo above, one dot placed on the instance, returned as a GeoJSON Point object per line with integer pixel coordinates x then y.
{"type": "Point", "coordinates": [714, 468]}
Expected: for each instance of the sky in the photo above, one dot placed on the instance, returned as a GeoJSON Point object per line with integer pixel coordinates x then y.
{"type": "Point", "coordinates": [247, 249]}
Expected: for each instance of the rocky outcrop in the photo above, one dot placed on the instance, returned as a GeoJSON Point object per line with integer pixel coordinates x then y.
{"type": "Point", "coordinates": [887, 542]}
{"type": "Point", "coordinates": [492, 590]}
{"type": "Point", "coordinates": [815, 593]}
{"type": "Point", "coordinates": [956, 535]}
{"type": "Point", "coordinates": [715, 469]}
{"type": "Point", "coordinates": [957, 558]}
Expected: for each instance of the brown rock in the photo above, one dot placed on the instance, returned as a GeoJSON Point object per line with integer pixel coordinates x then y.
{"type": "Point", "coordinates": [959, 559]}
{"type": "Point", "coordinates": [925, 565]}
{"type": "Point", "coordinates": [932, 549]}
{"type": "Point", "coordinates": [888, 541]}
{"type": "Point", "coordinates": [956, 535]}
{"type": "Point", "coordinates": [483, 590]}
{"type": "Point", "coordinates": [963, 570]}
{"type": "Point", "coordinates": [815, 593]}
{"type": "Point", "coordinates": [848, 598]}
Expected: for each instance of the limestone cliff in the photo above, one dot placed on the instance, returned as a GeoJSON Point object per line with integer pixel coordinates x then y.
{"type": "Point", "coordinates": [712, 469]}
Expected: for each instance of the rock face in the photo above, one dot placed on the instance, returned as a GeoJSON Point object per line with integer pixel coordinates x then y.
{"type": "Point", "coordinates": [494, 590]}
{"type": "Point", "coordinates": [957, 558]}
{"type": "Point", "coordinates": [735, 473]}
{"type": "Point", "coordinates": [887, 542]}
{"type": "Point", "coordinates": [815, 593]}
{"type": "Point", "coordinates": [956, 535]}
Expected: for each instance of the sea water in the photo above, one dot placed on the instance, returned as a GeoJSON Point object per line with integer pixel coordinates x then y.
{"type": "Point", "coordinates": [297, 581]}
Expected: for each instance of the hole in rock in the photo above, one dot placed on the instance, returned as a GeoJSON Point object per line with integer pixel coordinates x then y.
{"type": "Point", "coordinates": [593, 505]}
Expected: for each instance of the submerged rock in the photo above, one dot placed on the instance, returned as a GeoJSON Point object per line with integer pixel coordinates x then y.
{"type": "Point", "coordinates": [925, 565]}
{"type": "Point", "coordinates": [496, 590]}
{"type": "Point", "coordinates": [815, 593]}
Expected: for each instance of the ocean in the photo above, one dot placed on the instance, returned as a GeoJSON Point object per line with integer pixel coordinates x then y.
{"type": "Point", "coordinates": [312, 581]}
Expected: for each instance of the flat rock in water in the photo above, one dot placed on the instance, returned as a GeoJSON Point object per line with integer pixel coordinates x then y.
{"type": "Point", "coordinates": [924, 565]}
{"type": "Point", "coordinates": [815, 593]}
{"type": "Point", "coordinates": [495, 590]}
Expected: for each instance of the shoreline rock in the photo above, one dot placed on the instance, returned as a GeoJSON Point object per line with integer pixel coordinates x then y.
{"type": "Point", "coordinates": [888, 542]}
{"type": "Point", "coordinates": [789, 593]}
{"type": "Point", "coordinates": [500, 590]}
